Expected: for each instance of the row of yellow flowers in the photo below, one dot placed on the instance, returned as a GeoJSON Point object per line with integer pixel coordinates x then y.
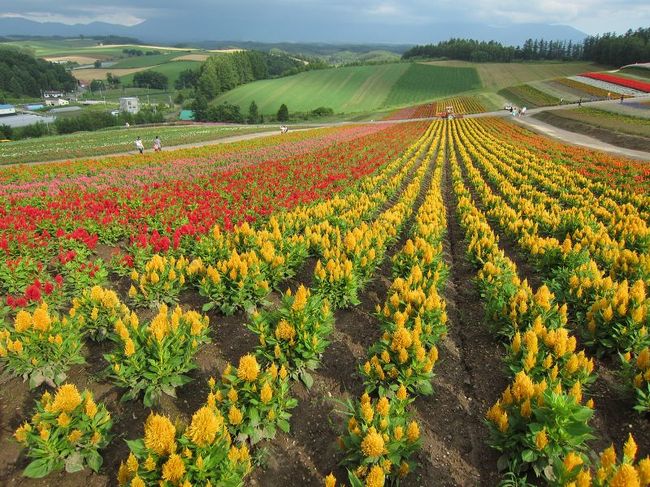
{"type": "Point", "coordinates": [379, 435]}
{"type": "Point", "coordinates": [540, 423]}
{"type": "Point", "coordinates": [611, 315]}
{"type": "Point", "coordinates": [616, 235]}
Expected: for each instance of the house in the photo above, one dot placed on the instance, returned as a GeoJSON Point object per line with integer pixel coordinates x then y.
{"type": "Point", "coordinates": [7, 110]}
{"type": "Point", "coordinates": [130, 104]}
{"type": "Point", "coordinates": [52, 94]}
{"type": "Point", "coordinates": [56, 102]}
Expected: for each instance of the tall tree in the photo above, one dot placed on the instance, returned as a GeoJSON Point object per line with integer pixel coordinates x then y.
{"type": "Point", "coordinates": [283, 113]}
{"type": "Point", "coordinates": [253, 113]}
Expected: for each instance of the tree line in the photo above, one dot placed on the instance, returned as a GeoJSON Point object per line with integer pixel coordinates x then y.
{"type": "Point", "coordinates": [610, 49]}
{"type": "Point", "coordinates": [21, 74]}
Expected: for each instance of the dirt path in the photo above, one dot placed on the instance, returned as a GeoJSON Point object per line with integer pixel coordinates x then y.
{"type": "Point", "coordinates": [579, 139]}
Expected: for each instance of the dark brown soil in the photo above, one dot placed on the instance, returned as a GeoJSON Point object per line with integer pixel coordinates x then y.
{"type": "Point", "coordinates": [606, 135]}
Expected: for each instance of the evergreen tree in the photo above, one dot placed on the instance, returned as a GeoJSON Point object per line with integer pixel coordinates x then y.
{"type": "Point", "coordinates": [253, 113]}
{"type": "Point", "coordinates": [200, 107]}
{"type": "Point", "coordinates": [283, 113]}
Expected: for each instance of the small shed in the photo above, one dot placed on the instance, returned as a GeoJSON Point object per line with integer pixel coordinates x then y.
{"type": "Point", "coordinates": [130, 104]}
{"type": "Point", "coordinates": [7, 110]}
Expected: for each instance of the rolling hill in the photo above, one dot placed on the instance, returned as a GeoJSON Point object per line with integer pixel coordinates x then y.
{"type": "Point", "coordinates": [355, 88]}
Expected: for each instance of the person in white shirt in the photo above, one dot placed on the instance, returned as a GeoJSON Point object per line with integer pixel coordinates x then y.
{"type": "Point", "coordinates": [139, 145]}
{"type": "Point", "coordinates": [157, 144]}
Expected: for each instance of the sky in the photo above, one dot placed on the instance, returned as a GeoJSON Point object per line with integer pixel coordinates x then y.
{"type": "Point", "coordinates": [590, 16]}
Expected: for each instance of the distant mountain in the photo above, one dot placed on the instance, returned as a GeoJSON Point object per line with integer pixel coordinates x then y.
{"type": "Point", "coordinates": [264, 30]}
{"type": "Point", "coordinates": [19, 26]}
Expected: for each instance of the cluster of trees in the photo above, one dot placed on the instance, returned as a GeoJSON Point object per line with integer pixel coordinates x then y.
{"type": "Point", "coordinates": [150, 79]}
{"type": "Point", "coordinates": [224, 72]}
{"type": "Point", "coordinates": [139, 52]}
{"type": "Point", "coordinates": [492, 51]}
{"type": "Point", "coordinates": [87, 121]}
{"type": "Point", "coordinates": [611, 49]}
{"type": "Point", "coordinates": [91, 121]}
{"type": "Point", "coordinates": [21, 74]}
{"type": "Point", "coordinates": [619, 50]}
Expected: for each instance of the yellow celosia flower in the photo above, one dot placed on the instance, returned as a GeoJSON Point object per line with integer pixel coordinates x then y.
{"type": "Point", "coordinates": [284, 331]}
{"type": "Point", "coordinates": [373, 444]}
{"type": "Point", "coordinates": [204, 426]}
{"type": "Point", "coordinates": [330, 480]}
{"type": "Point", "coordinates": [67, 399]}
{"type": "Point", "coordinates": [74, 436]}
{"type": "Point", "coordinates": [383, 406]}
{"type": "Point", "coordinates": [149, 464]}
{"type": "Point", "coordinates": [132, 463]}
{"type": "Point", "coordinates": [266, 393]}
{"type": "Point", "coordinates": [541, 440]}
{"type": "Point", "coordinates": [248, 368]}
{"type": "Point", "coordinates": [123, 474]}
{"type": "Point", "coordinates": [235, 416]}
{"type": "Point", "coordinates": [401, 393]}
{"type": "Point", "coordinates": [629, 450]}
{"type": "Point", "coordinates": [129, 347]}
{"type": "Point", "coordinates": [137, 482]}
{"type": "Point", "coordinates": [300, 300]}
{"type": "Point", "coordinates": [625, 476]}
{"type": "Point", "coordinates": [23, 321]}
{"type": "Point", "coordinates": [174, 469]}
{"type": "Point", "coordinates": [376, 477]}
{"type": "Point", "coordinates": [91, 407]}
{"type": "Point", "coordinates": [160, 435]}
{"type": "Point", "coordinates": [571, 461]}
{"type": "Point", "coordinates": [63, 420]}
{"type": "Point", "coordinates": [413, 431]}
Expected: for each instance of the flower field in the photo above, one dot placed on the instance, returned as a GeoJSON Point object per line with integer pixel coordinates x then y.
{"type": "Point", "coordinates": [449, 303]}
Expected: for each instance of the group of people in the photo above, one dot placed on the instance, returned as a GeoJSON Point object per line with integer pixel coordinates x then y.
{"type": "Point", "coordinates": [284, 129]}
{"type": "Point", "coordinates": [516, 112]}
{"type": "Point", "coordinates": [157, 144]}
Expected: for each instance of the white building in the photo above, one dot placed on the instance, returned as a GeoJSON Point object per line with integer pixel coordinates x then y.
{"type": "Point", "coordinates": [130, 104]}
{"type": "Point", "coordinates": [56, 102]}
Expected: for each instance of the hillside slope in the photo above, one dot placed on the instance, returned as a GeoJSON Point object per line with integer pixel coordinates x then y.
{"type": "Point", "coordinates": [355, 88]}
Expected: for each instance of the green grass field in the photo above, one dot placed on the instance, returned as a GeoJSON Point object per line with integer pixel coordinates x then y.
{"type": "Point", "coordinates": [171, 69]}
{"type": "Point", "coordinates": [145, 61]}
{"type": "Point", "coordinates": [354, 89]}
{"type": "Point", "coordinates": [110, 141]}
{"type": "Point", "coordinates": [496, 76]}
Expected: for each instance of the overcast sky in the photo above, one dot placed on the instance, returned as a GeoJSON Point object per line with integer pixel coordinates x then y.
{"type": "Point", "coordinates": [590, 16]}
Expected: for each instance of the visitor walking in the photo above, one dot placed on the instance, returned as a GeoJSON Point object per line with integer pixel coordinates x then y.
{"type": "Point", "coordinates": [622, 98]}
{"type": "Point", "coordinates": [157, 144]}
{"type": "Point", "coordinates": [139, 145]}
{"type": "Point", "coordinates": [580, 102]}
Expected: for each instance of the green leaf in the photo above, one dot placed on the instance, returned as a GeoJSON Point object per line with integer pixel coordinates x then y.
{"type": "Point", "coordinates": [528, 456]}
{"type": "Point", "coordinates": [307, 379]}
{"type": "Point", "coordinates": [208, 306]}
{"type": "Point", "coordinates": [39, 468]}
{"type": "Point", "coordinates": [94, 460]}
{"type": "Point", "coordinates": [284, 425]}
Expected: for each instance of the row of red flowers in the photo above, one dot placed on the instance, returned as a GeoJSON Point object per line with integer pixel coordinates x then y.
{"type": "Point", "coordinates": [619, 80]}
